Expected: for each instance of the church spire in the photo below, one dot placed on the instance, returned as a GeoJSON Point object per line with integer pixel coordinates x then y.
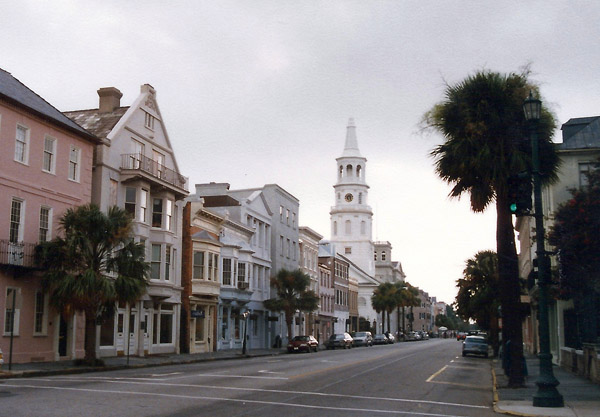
{"type": "Point", "coordinates": [351, 146]}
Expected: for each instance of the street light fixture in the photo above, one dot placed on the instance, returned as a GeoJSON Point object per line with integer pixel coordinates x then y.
{"type": "Point", "coordinates": [547, 395]}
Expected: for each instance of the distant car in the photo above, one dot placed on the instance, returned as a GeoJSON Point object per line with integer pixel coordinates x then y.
{"type": "Point", "coordinates": [424, 335]}
{"type": "Point", "coordinates": [475, 345]}
{"type": "Point", "coordinates": [363, 339]}
{"type": "Point", "coordinates": [380, 339]}
{"type": "Point", "coordinates": [1, 358]}
{"type": "Point", "coordinates": [461, 336]}
{"type": "Point", "coordinates": [390, 337]}
{"type": "Point", "coordinates": [303, 344]}
{"type": "Point", "coordinates": [342, 340]}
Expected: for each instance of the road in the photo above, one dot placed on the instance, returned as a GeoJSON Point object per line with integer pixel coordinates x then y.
{"type": "Point", "coordinates": [425, 378]}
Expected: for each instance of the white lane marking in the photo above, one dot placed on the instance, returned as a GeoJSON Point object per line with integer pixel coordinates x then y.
{"type": "Point", "coordinates": [167, 374]}
{"type": "Point", "coordinates": [270, 391]}
{"type": "Point", "coordinates": [264, 371]}
{"type": "Point", "coordinates": [235, 400]}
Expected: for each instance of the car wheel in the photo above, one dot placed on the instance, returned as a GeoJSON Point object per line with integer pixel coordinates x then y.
{"type": "Point", "coordinates": [316, 348]}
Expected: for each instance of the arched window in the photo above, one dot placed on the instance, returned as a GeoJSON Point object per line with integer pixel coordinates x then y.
{"type": "Point", "coordinates": [363, 227]}
{"type": "Point", "coordinates": [375, 255]}
{"type": "Point", "coordinates": [339, 196]}
{"type": "Point", "coordinates": [349, 170]}
{"type": "Point", "coordinates": [358, 171]}
{"type": "Point", "coordinates": [341, 173]}
{"type": "Point", "coordinates": [335, 228]}
{"type": "Point", "coordinates": [383, 256]}
{"type": "Point", "coordinates": [348, 227]}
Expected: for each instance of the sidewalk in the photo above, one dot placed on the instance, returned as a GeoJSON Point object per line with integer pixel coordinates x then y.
{"type": "Point", "coordinates": [122, 362]}
{"type": "Point", "coordinates": [581, 396]}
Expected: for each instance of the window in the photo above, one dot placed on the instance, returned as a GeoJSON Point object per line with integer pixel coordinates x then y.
{"type": "Point", "coordinates": [130, 200]}
{"type": "Point", "coordinates": [155, 262]}
{"type": "Point", "coordinates": [335, 228]}
{"type": "Point", "coordinates": [359, 198]}
{"type": "Point", "coordinates": [107, 332]}
{"type": "Point", "coordinates": [281, 245]}
{"type": "Point", "coordinates": [168, 263]}
{"type": "Point", "coordinates": [241, 272]}
{"type": "Point", "coordinates": [22, 144]}
{"type": "Point", "coordinates": [39, 325]}
{"type": "Point", "coordinates": [137, 155]}
{"type": "Point", "coordinates": [281, 214]}
{"type": "Point", "coordinates": [198, 265]}
{"type": "Point", "coordinates": [349, 170]}
{"type": "Point", "coordinates": [45, 219]}
{"type": "Point", "coordinates": [375, 256]}
{"type": "Point", "coordinates": [584, 170]}
{"type": "Point", "coordinates": [149, 120]}
{"type": "Point", "coordinates": [157, 211]}
{"type": "Point", "coordinates": [16, 221]}
{"type": "Point", "coordinates": [143, 205]}
{"type": "Point", "coordinates": [11, 313]}
{"type": "Point", "coordinates": [48, 164]}
{"type": "Point", "coordinates": [287, 217]}
{"type": "Point", "coordinates": [166, 323]}
{"type": "Point", "coordinates": [112, 193]}
{"type": "Point", "coordinates": [159, 160]}
{"type": "Point", "coordinates": [214, 267]}
{"type": "Point", "coordinates": [294, 251]}
{"type": "Point", "coordinates": [348, 250]}
{"type": "Point", "coordinates": [288, 248]}
{"type": "Point", "coordinates": [340, 174]}
{"type": "Point", "coordinates": [227, 271]}
{"type": "Point", "coordinates": [363, 227]}
{"type": "Point", "coordinates": [74, 162]}
{"type": "Point", "coordinates": [169, 219]}
{"type": "Point", "coordinates": [358, 171]}
{"type": "Point", "coordinates": [294, 220]}
{"type": "Point", "coordinates": [348, 225]}
{"type": "Point", "coordinates": [383, 256]}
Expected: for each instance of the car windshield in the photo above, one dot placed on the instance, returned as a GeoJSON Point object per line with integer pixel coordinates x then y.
{"type": "Point", "coordinates": [360, 334]}
{"type": "Point", "coordinates": [300, 338]}
{"type": "Point", "coordinates": [475, 340]}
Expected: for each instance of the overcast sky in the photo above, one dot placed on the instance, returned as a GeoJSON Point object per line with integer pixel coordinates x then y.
{"type": "Point", "coordinates": [255, 92]}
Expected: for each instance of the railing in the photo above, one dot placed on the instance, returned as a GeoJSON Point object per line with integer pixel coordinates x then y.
{"type": "Point", "coordinates": [18, 254]}
{"type": "Point", "coordinates": [136, 161]}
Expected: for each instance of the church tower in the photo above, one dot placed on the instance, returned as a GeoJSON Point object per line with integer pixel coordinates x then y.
{"type": "Point", "coordinates": [351, 216]}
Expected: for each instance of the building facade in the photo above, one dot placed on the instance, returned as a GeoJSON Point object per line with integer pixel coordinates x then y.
{"type": "Point", "coordinates": [135, 168]}
{"type": "Point", "coordinates": [45, 169]}
{"type": "Point", "coordinates": [309, 264]}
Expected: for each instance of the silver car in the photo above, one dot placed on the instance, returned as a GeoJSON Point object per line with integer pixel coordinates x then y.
{"type": "Point", "coordinates": [475, 345]}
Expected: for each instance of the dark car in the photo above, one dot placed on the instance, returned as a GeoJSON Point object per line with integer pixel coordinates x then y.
{"type": "Point", "coordinates": [475, 345]}
{"type": "Point", "coordinates": [380, 339]}
{"type": "Point", "coordinates": [303, 344]}
{"type": "Point", "coordinates": [362, 339]}
{"type": "Point", "coordinates": [342, 340]}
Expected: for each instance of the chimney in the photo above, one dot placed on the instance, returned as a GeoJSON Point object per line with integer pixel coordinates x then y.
{"type": "Point", "coordinates": [110, 99]}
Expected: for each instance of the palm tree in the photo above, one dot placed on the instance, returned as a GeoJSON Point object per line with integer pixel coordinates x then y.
{"type": "Point", "coordinates": [92, 266]}
{"type": "Point", "coordinates": [293, 293]}
{"type": "Point", "coordinates": [478, 296]}
{"type": "Point", "coordinates": [484, 128]}
{"type": "Point", "coordinates": [383, 301]}
{"type": "Point", "coordinates": [407, 296]}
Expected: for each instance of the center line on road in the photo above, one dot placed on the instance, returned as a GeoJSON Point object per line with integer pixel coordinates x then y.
{"type": "Point", "coordinates": [272, 391]}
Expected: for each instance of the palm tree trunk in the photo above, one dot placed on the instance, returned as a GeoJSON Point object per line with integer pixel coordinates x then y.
{"type": "Point", "coordinates": [508, 273]}
{"type": "Point", "coordinates": [90, 337]}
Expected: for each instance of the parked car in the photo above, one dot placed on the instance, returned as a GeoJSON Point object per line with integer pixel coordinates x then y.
{"type": "Point", "coordinates": [461, 336]}
{"type": "Point", "coordinates": [424, 335]}
{"type": "Point", "coordinates": [380, 339]}
{"type": "Point", "coordinates": [476, 345]}
{"type": "Point", "coordinates": [303, 344]}
{"type": "Point", "coordinates": [390, 337]}
{"type": "Point", "coordinates": [362, 339]}
{"type": "Point", "coordinates": [1, 358]}
{"type": "Point", "coordinates": [342, 340]}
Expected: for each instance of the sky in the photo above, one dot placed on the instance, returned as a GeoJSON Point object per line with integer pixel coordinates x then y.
{"type": "Point", "coordinates": [257, 92]}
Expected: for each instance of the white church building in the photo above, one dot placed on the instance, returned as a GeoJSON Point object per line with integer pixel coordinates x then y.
{"type": "Point", "coordinates": [352, 226]}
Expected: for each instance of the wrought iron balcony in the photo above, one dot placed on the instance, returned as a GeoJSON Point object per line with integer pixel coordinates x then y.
{"type": "Point", "coordinates": [139, 162]}
{"type": "Point", "coordinates": [17, 254]}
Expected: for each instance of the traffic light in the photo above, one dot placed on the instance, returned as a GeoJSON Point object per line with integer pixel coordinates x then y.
{"type": "Point", "coordinates": [520, 189]}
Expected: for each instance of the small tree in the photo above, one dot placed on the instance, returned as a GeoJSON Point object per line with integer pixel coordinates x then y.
{"type": "Point", "coordinates": [383, 301]}
{"type": "Point", "coordinates": [576, 236]}
{"type": "Point", "coordinates": [293, 293]}
{"type": "Point", "coordinates": [92, 266]}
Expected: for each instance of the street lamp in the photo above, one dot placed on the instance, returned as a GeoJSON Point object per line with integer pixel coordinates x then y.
{"type": "Point", "coordinates": [547, 395]}
{"type": "Point", "coordinates": [245, 315]}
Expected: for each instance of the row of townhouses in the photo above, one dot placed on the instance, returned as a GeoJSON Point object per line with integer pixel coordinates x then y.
{"type": "Point", "coordinates": [212, 250]}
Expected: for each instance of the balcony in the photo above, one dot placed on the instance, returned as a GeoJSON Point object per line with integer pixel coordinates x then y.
{"type": "Point", "coordinates": [17, 254]}
{"type": "Point", "coordinates": [146, 167]}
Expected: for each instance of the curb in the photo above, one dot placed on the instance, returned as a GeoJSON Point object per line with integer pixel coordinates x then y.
{"type": "Point", "coordinates": [496, 399]}
{"type": "Point", "coordinates": [91, 369]}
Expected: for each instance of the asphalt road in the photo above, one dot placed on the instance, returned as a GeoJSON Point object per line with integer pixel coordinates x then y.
{"type": "Point", "coordinates": [425, 378]}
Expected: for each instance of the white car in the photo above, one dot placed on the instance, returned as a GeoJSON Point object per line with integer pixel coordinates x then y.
{"type": "Point", "coordinates": [1, 358]}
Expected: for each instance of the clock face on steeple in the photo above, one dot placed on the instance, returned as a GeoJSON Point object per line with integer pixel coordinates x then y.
{"type": "Point", "coordinates": [348, 197]}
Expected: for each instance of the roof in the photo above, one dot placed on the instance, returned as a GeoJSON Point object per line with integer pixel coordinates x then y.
{"type": "Point", "coordinates": [100, 124]}
{"type": "Point", "coordinates": [17, 93]}
{"type": "Point", "coordinates": [581, 133]}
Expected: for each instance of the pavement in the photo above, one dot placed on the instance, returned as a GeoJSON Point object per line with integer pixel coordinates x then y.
{"type": "Point", "coordinates": [581, 396]}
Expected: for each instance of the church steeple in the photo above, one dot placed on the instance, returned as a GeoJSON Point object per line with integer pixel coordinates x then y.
{"type": "Point", "coordinates": [351, 216]}
{"type": "Point", "coordinates": [351, 146]}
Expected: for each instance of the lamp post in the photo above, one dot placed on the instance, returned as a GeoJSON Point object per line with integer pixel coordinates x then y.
{"type": "Point", "coordinates": [547, 395]}
{"type": "Point", "coordinates": [245, 315]}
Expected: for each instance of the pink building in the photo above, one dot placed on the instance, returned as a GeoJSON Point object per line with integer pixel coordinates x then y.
{"type": "Point", "coordinates": [45, 168]}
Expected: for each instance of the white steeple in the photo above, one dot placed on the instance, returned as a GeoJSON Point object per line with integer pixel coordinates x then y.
{"type": "Point", "coordinates": [351, 146]}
